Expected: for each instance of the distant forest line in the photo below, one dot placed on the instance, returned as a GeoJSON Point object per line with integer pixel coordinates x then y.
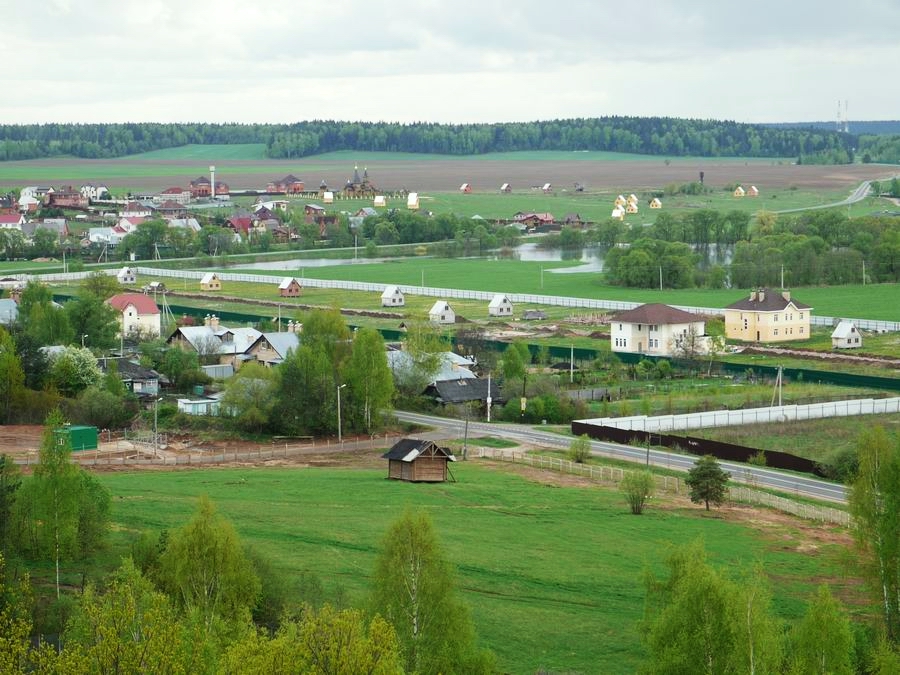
{"type": "Point", "coordinates": [663, 136]}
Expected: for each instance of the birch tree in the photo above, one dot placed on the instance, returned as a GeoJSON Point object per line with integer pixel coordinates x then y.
{"type": "Point", "coordinates": [874, 501]}
{"type": "Point", "coordinates": [823, 640]}
{"type": "Point", "coordinates": [414, 589]}
{"type": "Point", "coordinates": [369, 381]}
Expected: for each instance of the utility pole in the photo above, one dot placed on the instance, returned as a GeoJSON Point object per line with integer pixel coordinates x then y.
{"type": "Point", "coordinates": [864, 272]}
{"type": "Point", "coordinates": [340, 436]}
{"type": "Point", "coordinates": [782, 277]}
{"type": "Point", "coordinates": [660, 277]}
{"type": "Point", "coordinates": [571, 364]}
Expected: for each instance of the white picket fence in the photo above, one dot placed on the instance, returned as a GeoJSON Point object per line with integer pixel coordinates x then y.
{"type": "Point", "coordinates": [727, 418]}
{"type": "Point", "coordinates": [451, 293]}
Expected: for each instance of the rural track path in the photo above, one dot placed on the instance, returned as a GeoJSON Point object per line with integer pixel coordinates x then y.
{"type": "Point", "coordinates": [760, 476]}
{"type": "Point", "coordinates": [860, 193]}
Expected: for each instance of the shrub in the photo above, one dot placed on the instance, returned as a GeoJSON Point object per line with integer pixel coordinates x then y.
{"type": "Point", "coordinates": [637, 486]}
{"type": "Point", "coordinates": [580, 449]}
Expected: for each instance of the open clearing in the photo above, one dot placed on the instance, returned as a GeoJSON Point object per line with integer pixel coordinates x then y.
{"type": "Point", "coordinates": [551, 565]}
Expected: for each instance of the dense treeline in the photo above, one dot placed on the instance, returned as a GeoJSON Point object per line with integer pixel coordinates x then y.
{"type": "Point", "coordinates": [817, 247]}
{"type": "Point", "coordinates": [645, 135]}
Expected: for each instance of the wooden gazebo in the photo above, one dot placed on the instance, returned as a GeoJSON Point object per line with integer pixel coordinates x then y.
{"type": "Point", "coordinates": [416, 460]}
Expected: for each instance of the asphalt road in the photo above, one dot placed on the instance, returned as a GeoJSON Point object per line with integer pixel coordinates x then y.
{"type": "Point", "coordinates": [743, 473]}
{"type": "Point", "coordinates": [857, 195]}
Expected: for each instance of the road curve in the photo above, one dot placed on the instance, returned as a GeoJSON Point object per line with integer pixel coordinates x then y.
{"type": "Point", "coordinates": [743, 473]}
{"type": "Point", "coordinates": [857, 195]}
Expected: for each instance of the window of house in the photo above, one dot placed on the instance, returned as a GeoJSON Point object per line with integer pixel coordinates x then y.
{"type": "Point", "coordinates": [801, 330]}
{"type": "Point", "coordinates": [801, 315]}
{"type": "Point", "coordinates": [775, 332]}
{"type": "Point", "coordinates": [776, 317]}
{"type": "Point", "coordinates": [746, 325]}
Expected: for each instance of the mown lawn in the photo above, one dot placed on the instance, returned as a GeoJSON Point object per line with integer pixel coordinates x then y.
{"type": "Point", "coordinates": [553, 574]}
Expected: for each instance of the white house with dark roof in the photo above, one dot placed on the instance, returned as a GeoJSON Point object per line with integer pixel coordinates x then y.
{"type": "Point", "coordinates": [500, 305]}
{"type": "Point", "coordinates": [441, 312]}
{"type": "Point", "coordinates": [658, 330]}
{"type": "Point", "coordinates": [392, 296]}
{"type": "Point", "coordinates": [846, 336]}
{"type": "Point", "coordinates": [214, 342]}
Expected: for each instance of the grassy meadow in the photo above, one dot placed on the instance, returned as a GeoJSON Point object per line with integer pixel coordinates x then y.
{"type": "Point", "coordinates": [872, 301]}
{"type": "Point", "coordinates": [553, 574]}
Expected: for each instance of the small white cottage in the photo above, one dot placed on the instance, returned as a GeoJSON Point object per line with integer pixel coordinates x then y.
{"type": "Point", "coordinates": [500, 305]}
{"type": "Point", "coordinates": [127, 275]}
{"type": "Point", "coordinates": [412, 201]}
{"type": "Point", "coordinates": [392, 296]}
{"type": "Point", "coordinates": [846, 336]}
{"type": "Point", "coordinates": [441, 312]}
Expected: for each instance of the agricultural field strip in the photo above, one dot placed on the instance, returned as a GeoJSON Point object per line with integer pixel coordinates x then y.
{"type": "Point", "coordinates": [461, 294]}
{"type": "Point", "coordinates": [759, 477]}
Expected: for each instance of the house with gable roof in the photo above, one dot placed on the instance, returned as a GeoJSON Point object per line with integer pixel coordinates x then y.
{"type": "Point", "coordinates": [215, 343]}
{"type": "Point", "coordinates": [441, 312]}
{"type": "Point", "coordinates": [289, 288]}
{"type": "Point", "coordinates": [846, 336]}
{"type": "Point", "coordinates": [767, 316]}
{"type": "Point", "coordinates": [500, 305]}
{"type": "Point", "coordinates": [210, 282]}
{"type": "Point", "coordinates": [658, 330]}
{"type": "Point", "coordinates": [138, 314]}
{"type": "Point", "coordinates": [392, 296]}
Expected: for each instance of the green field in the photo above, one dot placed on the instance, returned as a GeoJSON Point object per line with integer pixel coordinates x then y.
{"type": "Point", "coordinates": [873, 301]}
{"type": "Point", "coordinates": [237, 151]}
{"type": "Point", "coordinates": [553, 574]}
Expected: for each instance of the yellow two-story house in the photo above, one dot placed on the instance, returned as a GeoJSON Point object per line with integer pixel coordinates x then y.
{"type": "Point", "coordinates": [767, 316]}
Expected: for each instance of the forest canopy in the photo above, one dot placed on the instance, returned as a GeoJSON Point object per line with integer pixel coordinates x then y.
{"type": "Point", "coordinates": [665, 136]}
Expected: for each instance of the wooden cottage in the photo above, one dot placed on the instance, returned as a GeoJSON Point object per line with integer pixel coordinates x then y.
{"type": "Point", "coordinates": [631, 207]}
{"type": "Point", "coordinates": [618, 213]}
{"type": "Point", "coordinates": [289, 288]}
{"type": "Point", "coordinates": [465, 187]}
{"type": "Point", "coordinates": [655, 203]}
{"type": "Point", "coordinates": [753, 191]}
{"type": "Point", "coordinates": [127, 275]}
{"type": "Point", "coordinates": [739, 191]}
{"type": "Point", "coordinates": [547, 188]}
{"type": "Point", "coordinates": [380, 200]}
{"type": "Point", "coordinates": [412, 201]}
{"type": "Point", "coordinates": [419, 461]}
{"type": "Point", "coordinates": [210, 282]}
{"type": "Point", "coordinates": [392, 296]}
{"type": "Point", "coordinates": [500, 305]}
{"type": "Point", "coordinates": [328, 197]}
{"type": "Point", "coordinates": [620, 201]}
{"type": "Point", "coordinates": [506, 188]}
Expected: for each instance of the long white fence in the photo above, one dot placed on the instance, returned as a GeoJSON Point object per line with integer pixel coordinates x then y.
{"type": "Point", "coordinates": [453, 293]}
{"type": "Point", "coordinates": [727, 418]}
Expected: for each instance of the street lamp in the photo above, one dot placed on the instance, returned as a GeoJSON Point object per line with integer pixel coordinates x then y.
{"type": "Point", "coordinates": [340, 437]}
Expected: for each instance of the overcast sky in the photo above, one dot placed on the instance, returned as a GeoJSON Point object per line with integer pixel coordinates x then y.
{"type": "Point", "coordinates": [446, 61]}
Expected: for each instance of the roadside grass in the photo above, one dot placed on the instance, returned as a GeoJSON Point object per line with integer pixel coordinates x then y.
{"type": "Point", "coordinates": [553, 574]}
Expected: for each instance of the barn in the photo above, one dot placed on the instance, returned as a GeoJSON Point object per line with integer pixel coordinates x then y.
{"type": "Point", "coordinates": [126, 275]}
{"type": "Point", "coordinates": [419, 461]}
{"type": "Point", "coordinates": [392, 296]}
{"type": "Point", "coordinates": [441, 312]}
{"type": "Point", "coordinates": [500, 305]}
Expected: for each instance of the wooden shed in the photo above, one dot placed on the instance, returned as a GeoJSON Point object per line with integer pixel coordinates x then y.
{"type": "Point", "coordinates": [420, 461]}
{"type": "Point", "coordinates": [739, 191]}
{"type": "Point", "coordinates": [289, 288]}
{"type": "Point", "coordinates": [210, 282]}
{"type": "Point", "coordinates": [126, 275]}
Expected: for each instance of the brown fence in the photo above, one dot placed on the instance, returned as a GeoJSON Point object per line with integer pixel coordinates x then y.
{"type": "Point", "coordinates": [696, 446]}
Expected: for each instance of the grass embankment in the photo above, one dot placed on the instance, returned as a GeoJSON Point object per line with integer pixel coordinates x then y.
{"type": "Point", "coordinates": [553, 574]}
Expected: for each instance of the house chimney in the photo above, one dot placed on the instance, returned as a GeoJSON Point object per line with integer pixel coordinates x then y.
{"type": "Point", "coordinates": [214, 322]}
{"type": "Point", "coordinates": [206, 320]}
{"type": "Point", "coordinates": [762, 294]}
{"type": "Point", "coordinates": [786, 295]}
{"type": "Point", "coordinates": [752, 296]}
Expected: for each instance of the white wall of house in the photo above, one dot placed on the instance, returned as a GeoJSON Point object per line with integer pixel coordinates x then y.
{"type": "Point", "coordinates": [143, 324]}
{"type": "Point", "coordinates": [656, 339]}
